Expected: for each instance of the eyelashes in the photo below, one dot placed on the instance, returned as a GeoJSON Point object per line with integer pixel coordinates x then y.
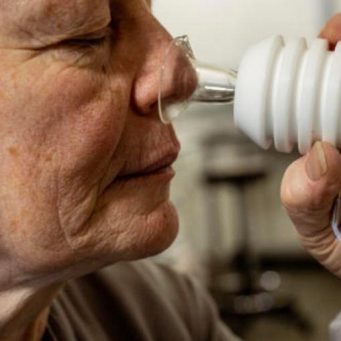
{"type": "Point", "coordinates": [86, 42]}
{"type": "Point", "coordinates": [86, 50]}
{"type": "Point", "coordinates": [91, 41]}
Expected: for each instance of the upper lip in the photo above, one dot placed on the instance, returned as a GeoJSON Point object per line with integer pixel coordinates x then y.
{"type": "Point", "coordinates": [163, 162]}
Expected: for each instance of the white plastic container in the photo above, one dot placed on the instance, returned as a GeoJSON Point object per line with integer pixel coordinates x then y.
{"type": "Point", "coordinates": [289, 94]}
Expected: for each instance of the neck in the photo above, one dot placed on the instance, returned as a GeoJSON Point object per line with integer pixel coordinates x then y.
{"type": "Point", "coordinates": [24, 312]}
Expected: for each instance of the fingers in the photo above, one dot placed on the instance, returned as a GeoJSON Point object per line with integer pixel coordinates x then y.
{"type": "Point", "coordinates": [309, 188]}
{"type": "Point", "coordinates": [332, 30]}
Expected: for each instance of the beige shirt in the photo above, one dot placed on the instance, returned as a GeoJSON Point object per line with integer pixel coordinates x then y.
{"type": "Point", "coordinates": [135, 301]}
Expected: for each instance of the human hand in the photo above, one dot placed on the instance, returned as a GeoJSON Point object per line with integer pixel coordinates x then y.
{"type": "Point", "coordinates": [310, 186]}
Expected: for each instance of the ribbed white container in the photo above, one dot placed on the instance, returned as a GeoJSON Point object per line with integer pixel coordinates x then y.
{"type": "Point", "coordinates": [289, 94]}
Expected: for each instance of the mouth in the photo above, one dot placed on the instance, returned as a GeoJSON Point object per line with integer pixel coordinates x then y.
{"type": "Point", "coordinates": [161, 166]}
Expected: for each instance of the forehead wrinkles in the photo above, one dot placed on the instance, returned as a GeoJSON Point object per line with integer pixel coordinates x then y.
{"type": "Point", "coordinates": [47, 20]}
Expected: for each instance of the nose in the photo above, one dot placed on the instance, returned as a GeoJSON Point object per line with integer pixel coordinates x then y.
{"type": "Point", "coordinates": [179, 79]}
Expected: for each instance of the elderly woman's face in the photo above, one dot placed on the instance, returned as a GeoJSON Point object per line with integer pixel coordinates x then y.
{"type": "Point", "coordinates": [83, 173]}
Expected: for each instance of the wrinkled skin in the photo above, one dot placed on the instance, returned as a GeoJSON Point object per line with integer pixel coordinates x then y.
{"type": "Point", "coordinates": [85, 161]}
{"type": "Point", "coordinates": [77, 117]}
{"type": "Point", "coordinates": [309, 198]}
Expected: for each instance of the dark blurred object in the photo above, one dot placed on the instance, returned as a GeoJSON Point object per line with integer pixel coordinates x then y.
{"type": "Point", "coordinates": [242, 292]}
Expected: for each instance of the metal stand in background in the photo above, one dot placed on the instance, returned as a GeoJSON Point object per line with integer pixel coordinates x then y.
{"type": "Point", "coordinates": [240, 164]}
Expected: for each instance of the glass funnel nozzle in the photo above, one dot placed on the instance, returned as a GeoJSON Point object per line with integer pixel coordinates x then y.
{"type": "Point", "coordinates": [184, 80]}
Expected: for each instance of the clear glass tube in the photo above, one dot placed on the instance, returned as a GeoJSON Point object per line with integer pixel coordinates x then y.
{"type": "Point", "coordinates": [201, 83]}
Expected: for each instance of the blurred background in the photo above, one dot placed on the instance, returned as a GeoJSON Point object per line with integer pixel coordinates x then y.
{"type": "Point", "coordinates": [235, 236]}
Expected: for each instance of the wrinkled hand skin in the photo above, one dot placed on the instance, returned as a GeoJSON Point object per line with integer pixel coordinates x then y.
{"type": "Point", "coordinates": [309, 203]}
{"type": "Point", "coordinates": [74, 119]}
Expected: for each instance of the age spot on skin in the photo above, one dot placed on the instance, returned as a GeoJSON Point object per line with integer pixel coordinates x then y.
{"type": "Point", "coordinates": [13, 151]}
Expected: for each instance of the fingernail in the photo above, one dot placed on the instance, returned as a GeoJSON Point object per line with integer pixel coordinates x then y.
{"type": "Point", "coordinates": [316, 165]}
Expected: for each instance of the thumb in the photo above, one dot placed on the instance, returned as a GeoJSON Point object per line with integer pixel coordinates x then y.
{"type": "Point", "coordinates": [309, 188]}
{"type": "Point", "coordinates": [308, 191]}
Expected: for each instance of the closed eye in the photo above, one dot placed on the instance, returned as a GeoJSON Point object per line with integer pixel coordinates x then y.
{"type": "Point", "coordinates": [93, 40]}
{"type": "Point", "coordinates": [86, 42]}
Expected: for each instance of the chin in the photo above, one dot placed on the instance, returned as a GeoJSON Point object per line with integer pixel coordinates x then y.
{"type": "Point", "coordinates": [159, 232]}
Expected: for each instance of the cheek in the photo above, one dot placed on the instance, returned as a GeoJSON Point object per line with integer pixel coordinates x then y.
{"type": "Point", "coordinates": [76, 113]}
{"type": "Point", "coordinates": [93, 118]}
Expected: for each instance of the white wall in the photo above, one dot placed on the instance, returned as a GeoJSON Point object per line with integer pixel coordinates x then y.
{"type": "Point", "coordinates": [221, 30]}
{"type": "Point", "coordinates": [337, 5]}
